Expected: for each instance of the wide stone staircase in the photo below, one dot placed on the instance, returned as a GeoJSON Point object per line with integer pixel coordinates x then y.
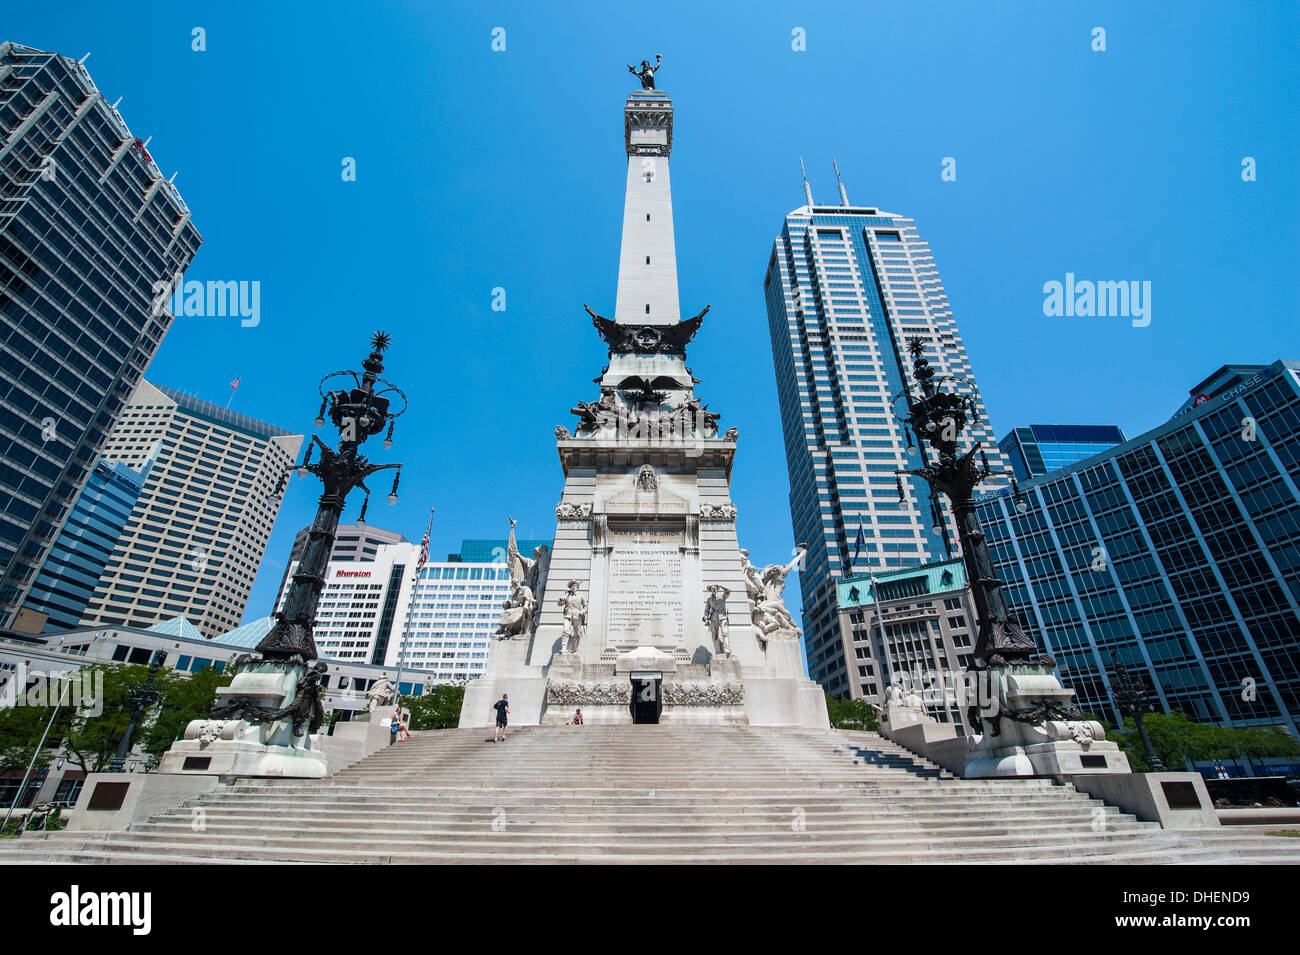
{"type": "Point", "coordinates": [647, 794]}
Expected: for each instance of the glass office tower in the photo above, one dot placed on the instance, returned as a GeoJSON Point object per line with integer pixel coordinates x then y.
{"type": "Point", "coordinates": [70, 574]}
{"type": "Point", "coordinates": [1176, 553]}
{"type": "Point", "coordinates": [1042, 448]}
{"type": "Point", "coordinates": [196, 537]}
{"type": "Point", "coordinates": [846, 287]}
{"type": "Point", "coordinates": [88, 225]}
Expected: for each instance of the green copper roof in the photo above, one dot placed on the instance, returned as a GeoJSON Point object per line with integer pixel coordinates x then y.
{"type": "Point", "coordinates": [940, 577]}
{"type": "Point", "coordinates": [177, 627]}
{"type": "Point", "coordinates": [249, 635]}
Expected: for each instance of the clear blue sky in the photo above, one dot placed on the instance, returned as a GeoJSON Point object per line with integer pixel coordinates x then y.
{"type": "Point", "coordinates": [479, 169]}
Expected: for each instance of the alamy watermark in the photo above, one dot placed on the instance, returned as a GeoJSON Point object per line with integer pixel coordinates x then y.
{"type": "Point", "coordinates": [1126, 298]}
{"type": "Point", "coordinates": [210, 299]}
{"type": "Point", "coordinates": [979, 688]}
{"type": "Point", "coordinates": [79, 689]}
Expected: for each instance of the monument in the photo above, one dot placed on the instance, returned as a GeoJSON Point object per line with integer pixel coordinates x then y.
{"type": "Point", "coordinates": [646, 610]}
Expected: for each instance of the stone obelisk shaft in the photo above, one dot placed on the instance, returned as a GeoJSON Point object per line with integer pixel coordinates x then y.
{"type": "Point", "coordinates": [647, 270]}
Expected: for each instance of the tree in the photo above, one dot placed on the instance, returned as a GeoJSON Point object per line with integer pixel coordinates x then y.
{"type": "Point", "coordinates": [92, 739]}
{"type": "Point", "coordinates": [437, 709]}
{"type": "Point", "coordinates": [1262, 742]}
{"type": "Point", "coordinates": [848, 714]}
{"type": "Point", "coordinates": [182, 701]}
{"type": "Point", "coordinates": [1171, 734]}
{"type": "Point", "coordinates": [21, 728]}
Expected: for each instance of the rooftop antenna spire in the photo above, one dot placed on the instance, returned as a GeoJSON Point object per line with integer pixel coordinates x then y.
{"type": "Point", "coordinates": [807, 189]}
{"type": "Point", "coordinates": [844, 196]}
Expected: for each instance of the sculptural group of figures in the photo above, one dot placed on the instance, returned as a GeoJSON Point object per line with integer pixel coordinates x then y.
{"type": "Point", "coordinates": [767, 609]}
{"type": "Point", "coordinates": [766, 604]}
{"type": "Point", "coordinates": [527, 578]}
{"type": "Point", "coordinates": [682, 422]}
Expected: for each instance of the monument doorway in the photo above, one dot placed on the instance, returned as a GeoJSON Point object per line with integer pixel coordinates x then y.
{"type": "Point", "coordinates": [647, 702]}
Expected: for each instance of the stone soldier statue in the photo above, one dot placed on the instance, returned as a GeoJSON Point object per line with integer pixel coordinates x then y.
{"type": "Point", "coordinates": [380, 694]}
{"type": "Point", "coordinates": [715, 617]}
{"type": "Point", "coordinates": [574, 606]}
{"type": "Point", "coordinates": [647, 72]}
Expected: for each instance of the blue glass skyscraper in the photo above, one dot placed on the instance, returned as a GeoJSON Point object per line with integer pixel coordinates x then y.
{"type": "Point", "coordinates": [1176, 553]}
{"type": "Point", "coordinates": [846, 286]}
{"type": "Point", "coordinates": [1041, 448]}
{"type": "Point", "coordinates": [70, 574]}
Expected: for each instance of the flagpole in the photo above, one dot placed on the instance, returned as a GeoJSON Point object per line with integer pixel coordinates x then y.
{"type": "Point", "coordinates": [880, 622]}
{"type": "Point", "coordinates": [234, 386]}
{"type": "Point", "coordinates": [410, 608]}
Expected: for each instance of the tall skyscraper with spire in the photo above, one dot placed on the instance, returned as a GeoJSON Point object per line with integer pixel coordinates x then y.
{"type": "Point", "coordinates": [846, 286]}
{"type": "Point", "coordinates": [646, 610]}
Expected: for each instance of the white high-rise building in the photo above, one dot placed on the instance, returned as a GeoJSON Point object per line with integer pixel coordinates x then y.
{"type": "Point", "coordinates": [366, 607]}
{"type": "Point", "coordinates": [199, 529]}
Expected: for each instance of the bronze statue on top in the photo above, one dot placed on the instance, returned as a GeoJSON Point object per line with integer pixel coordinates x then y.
{"type": "Point", "coordinates": [647, 72]}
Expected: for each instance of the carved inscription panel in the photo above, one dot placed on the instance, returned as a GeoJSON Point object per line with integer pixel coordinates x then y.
{"type": "Point", "coordinates": [645, 587]}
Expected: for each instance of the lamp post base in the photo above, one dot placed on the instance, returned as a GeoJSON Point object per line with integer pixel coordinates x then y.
{"type": "Point", "coordinates": [1031, 727]}
{"type": "Point", "coordinates": [262, 727]}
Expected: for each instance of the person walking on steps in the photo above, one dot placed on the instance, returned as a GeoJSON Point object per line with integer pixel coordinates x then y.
{"type": "Point", "coordinates": [502, 706]}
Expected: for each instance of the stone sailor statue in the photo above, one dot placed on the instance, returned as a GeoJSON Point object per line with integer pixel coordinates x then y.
{"type": "Point", "coordinates": [647, 72]}
{"type": "Point", "coordinates": [574, 606]}
{"type": "Point", "coordinates": [765, 596]}
{"type": "Point", "coordinates": [715, 618]}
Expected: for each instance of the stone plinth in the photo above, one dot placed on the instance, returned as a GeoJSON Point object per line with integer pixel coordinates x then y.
{"type": "Point", "coordinates": [246, 747]}
{"type": "Point", "coordinates": [1053, 744]}
{"type": "Point", "coordinates": [1175, 800]}
{"type": "Point", "coordinates": [115, 801]}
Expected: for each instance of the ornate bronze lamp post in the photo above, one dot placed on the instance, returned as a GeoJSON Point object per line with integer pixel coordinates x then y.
{"type": "Point", "coordinates": [359, 412]}
{"type": "Point", "coordinates": [937, 418]}
{"type": "Point", "coordinates": [1134, 699]}
{"type": "Point", "coordinates": [259, 693]}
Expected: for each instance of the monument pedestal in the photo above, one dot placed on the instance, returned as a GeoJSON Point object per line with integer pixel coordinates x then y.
{"type": "Point", "coordinates": [508, 672]}
{"type": "Point", "coordinates": [248, 746]}
{"type": "Point", "coordinates": [1047, 738]}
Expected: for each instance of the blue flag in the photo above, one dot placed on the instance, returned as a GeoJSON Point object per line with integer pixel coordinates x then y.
{"type": "Point", "coordinates": [858, 544]}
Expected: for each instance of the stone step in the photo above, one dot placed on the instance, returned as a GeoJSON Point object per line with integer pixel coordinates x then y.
{"type": "Point", "coordinates": [732, 853]}
{"type": "Point", "coordinates": [700, 833]}
{"type": "Point", "coordinates": [571, 799]}
{"type": "Point", "coordinates": [509, 839]}
{"type": "Point", "coordinates": [1156, 849]}
{"type": "Point", "coordinates": [561, 816]}
{"type": "Point", "coordinates": [671, 795]}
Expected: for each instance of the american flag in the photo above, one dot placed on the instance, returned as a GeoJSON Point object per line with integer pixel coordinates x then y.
{"type": "Point", "coordinates": [424, 543]}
